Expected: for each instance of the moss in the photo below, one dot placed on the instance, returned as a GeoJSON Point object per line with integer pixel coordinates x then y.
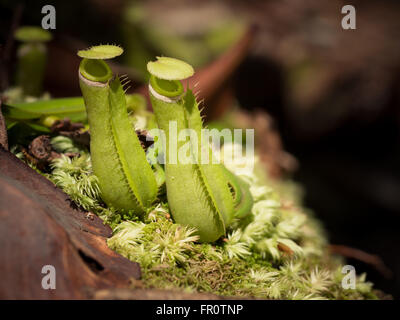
{"type": "Point", "coordinates": [279, 252]}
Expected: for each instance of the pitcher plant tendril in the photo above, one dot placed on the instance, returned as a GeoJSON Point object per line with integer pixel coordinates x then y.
{"type": "Point", "coordinates": [126, 179]}
{"type": "Point", "coordinates": [202, 195]}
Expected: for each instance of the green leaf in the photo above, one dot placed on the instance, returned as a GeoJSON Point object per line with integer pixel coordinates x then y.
{"type": "Point", "coordinates": [10, 124]}
{"type": "Point", "coordinates": [11, 112]}
{"type": "Point", "coordinates": [73, 108]}
{"type": "Point", "coordinates": [38, 127]}
{"type": "Point", "coordinates": [170, 69]}
{"type": "Point", "coordinates": [53, 106]}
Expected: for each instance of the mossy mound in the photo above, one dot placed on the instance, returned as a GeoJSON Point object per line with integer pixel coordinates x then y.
{"type": "Point", "coordinates": [279, 252]}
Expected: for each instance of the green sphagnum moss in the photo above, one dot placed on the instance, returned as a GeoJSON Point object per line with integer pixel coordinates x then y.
{"type": "Point", "coordinates": [248, 262]}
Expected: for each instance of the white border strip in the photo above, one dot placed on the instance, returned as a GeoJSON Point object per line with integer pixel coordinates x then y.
{"type": "Point", "coordinates": [164, 98]}
{"type": "Point", "coordinates": [92, 83]}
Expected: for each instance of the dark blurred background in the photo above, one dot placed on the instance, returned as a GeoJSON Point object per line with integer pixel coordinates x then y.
{"type": "Point", "coordinates": [333, 94]}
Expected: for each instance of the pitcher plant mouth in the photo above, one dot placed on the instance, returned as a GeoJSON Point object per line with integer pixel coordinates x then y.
{"type": "Point", "coordinates": [95, 70]}
{"type": "Point", "coordinates": [167, 88]}
{"type": "Point", "coordinates": [163, 98]}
